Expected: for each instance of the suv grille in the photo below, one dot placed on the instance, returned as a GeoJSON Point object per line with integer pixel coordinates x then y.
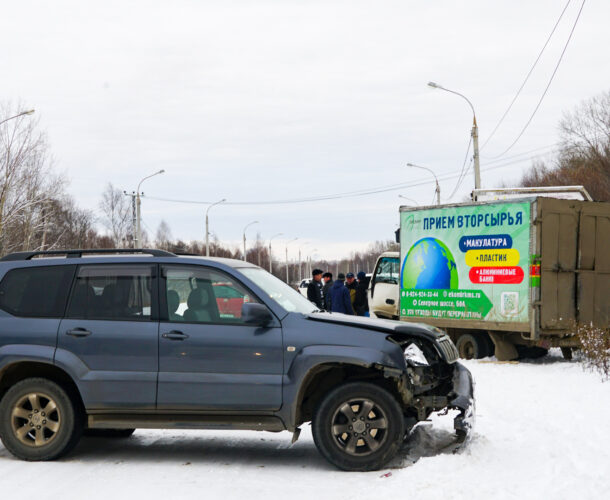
{"type": "Point", "coordinates": [447, 349]}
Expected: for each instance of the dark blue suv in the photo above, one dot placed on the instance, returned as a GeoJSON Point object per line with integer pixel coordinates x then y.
{"type": "Point", "coordinates": [107, 341]}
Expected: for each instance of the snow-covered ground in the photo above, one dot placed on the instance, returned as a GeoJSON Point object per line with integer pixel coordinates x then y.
{"type": "Point", "coordinates": [542, 431]}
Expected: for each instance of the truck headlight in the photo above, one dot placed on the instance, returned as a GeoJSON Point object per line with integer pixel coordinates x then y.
{"type": "Point", "coordinates": [415, 355]}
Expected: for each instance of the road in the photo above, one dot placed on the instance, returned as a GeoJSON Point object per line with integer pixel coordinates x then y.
{"type": "Point", "coordinates": [542, 431]}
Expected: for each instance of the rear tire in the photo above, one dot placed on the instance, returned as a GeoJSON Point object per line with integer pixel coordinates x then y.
{"type": "Point", "coordinates": [109, 433]}
{"type": "Point", "coordinates": [358, 427]}
{"type": "Point", "coordinates": [39, 420]}
{"type": "Point", "coordinates": [471, 346]}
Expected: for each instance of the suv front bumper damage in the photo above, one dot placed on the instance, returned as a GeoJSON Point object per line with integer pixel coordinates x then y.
{"type": "Point", "coordinates": [459, 396]}
{"type": "Point", "coordinates": [462, 399]}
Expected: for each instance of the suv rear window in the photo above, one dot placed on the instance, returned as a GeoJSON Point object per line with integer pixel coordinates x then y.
{"type": "Point", "coordinates": [112, 292]}
{"type": "Point", "coordinates": [36, 292]}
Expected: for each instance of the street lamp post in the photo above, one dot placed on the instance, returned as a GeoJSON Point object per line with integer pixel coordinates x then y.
{"type": "Point", "coordinates": [270, 258]}
{"type": "Point", "coordinates": [138, 242]}
{"type": "Point", "coordinates": [247, 226]}
{"type": "Point", "coordinates": [28, 112]}
{"type": "Point", "coordinates": [474, 133]}
{"type": "Point", "coordinates": [207, 226]}
{"type": "Point", "coordinates": [287, 273]}
{"type": "Point", "coordinates": [438, 187]}
{"type": "Point", "coordinates": [408, 199]}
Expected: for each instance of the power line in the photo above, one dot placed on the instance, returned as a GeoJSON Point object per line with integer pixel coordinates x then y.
{"type": "Point", "coordinates": [333, 197]}
{"type": "Point", "coordinates": [462, 173]}
{"type": "Point", "coordinates": [548, 84]}
{"type": "Point", "coordinates": [527, 76]}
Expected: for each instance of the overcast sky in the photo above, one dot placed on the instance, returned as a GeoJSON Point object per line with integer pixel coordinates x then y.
{"type": "Point", "coordinates": [275, 100]}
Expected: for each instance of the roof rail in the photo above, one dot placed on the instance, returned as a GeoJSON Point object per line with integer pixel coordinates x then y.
{"type": "Point", "coordinates": [79, 253]}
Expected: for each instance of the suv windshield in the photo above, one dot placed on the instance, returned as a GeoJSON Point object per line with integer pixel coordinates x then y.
{"type": "Point", "coordinates": [280, 292]}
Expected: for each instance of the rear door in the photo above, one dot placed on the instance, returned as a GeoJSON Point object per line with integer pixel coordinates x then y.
{"type": "Point", "coordinates": [109, 335]}
{"type": "Point", "coordinates": [559, 222]}
{"type": "Point", "coordinates": [209, 359]}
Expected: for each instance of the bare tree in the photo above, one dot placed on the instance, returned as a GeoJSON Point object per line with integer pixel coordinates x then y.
{"type": "Point", "coordinates": [163, 239]}
{"type": "Point", "coordinates": [117, 215]}
{"type": "Point", "coordinates": [584, 155]}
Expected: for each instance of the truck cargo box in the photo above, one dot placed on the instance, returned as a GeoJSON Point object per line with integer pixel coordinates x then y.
{"type": "Point", "coordinates": [536, 266]}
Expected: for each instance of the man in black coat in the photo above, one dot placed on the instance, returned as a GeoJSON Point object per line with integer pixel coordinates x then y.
{"type": "Point", "coordinates": [361, 303]}
{"type": "Point", "coordinates": [328, 283]}
{"type": "Point", "coordinates": [314, 289]}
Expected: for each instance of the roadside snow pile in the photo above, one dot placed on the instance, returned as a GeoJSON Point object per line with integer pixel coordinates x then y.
{"type": "Point", "coordinates": [542, 431]}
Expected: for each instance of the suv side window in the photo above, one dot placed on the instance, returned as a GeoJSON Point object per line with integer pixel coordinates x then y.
{"type": "Point", "coordinates": [203, 295]}
{"type": "Point", "coordinates": [112, 292]}
{"type": "Point", "coordinates": [36, 292]}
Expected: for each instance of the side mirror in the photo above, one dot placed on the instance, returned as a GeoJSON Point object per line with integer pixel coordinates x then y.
{"type": "Point", "coordinates": [255, 314]}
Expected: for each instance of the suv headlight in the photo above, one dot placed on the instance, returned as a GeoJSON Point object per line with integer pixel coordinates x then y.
{"type": "Point", "coordinates": [415, 355]}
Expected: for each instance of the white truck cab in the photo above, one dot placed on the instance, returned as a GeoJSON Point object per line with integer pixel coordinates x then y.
{"type": "Point", "coordinates": [384, 287]}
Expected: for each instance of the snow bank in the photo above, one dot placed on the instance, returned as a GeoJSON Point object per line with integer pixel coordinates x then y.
{"type": "Point", "coordinates": [542, 431]}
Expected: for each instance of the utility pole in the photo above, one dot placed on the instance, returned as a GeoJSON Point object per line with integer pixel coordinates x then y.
{"type": "Point", "coordinates": [287, 272]}
{"type": "Point", "coordinates": [207, 227]}
{"type": "Point", "coordinates": [475, 147]}
{"type": "Point", "coordinates": [138, 224]}
{"type": "Point", "coordinates": [244, 234]}
{"type": "Point", "coordinates": [438, 187]}
{"type": "Point", "coordinates": [474, 133]}
{"type": "Point", "coordinates": [270, 257]}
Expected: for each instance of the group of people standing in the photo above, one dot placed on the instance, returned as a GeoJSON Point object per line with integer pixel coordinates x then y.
{"type": "Point", "coordinates": [345, 295]}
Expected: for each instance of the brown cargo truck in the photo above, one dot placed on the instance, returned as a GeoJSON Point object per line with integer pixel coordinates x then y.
{"type": "Point", "coordinates": [512, 277]}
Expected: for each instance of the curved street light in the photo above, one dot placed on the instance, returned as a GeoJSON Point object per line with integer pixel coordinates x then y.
{"type": "Point", "coordinates": [138, 242]}
{"type": "Point", "coordinates": [207, 226]}
{"type": "Point", "coordinates": [438, 187]}
{"type": "Point", "coordinates": [28, 112]}
{"type": "Point", "coordinates": [474, 133]}
{"type": "Point", "coordinates": [244, 232]}
{"type": "Point", "coordinates": [270, 259]}
{"type": "Point", "coordinates": [409, 199]}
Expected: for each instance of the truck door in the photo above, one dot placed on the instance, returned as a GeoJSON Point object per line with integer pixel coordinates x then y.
{"type": "Point", "coordinates": [594, 265]}
{"type": "Point", "coordinates": [558, 221]}
{"type": "Point", "coordinates": [384, 288]}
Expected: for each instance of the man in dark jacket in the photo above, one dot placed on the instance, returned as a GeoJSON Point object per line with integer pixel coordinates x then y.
{"type": "Point", "coordinates": [340, 301]}
{"type": "Point", "coordinates": [327, 278]}
{"type": "Point", "coordinates": [314, 289]}
{"type": "Point", "coordinates": [361, 303]}
{"type": "Point", "coordinates": [350, 284]}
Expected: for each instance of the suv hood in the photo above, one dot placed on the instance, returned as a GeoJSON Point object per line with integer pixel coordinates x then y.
{"type": "Point", "coordinates": [380, 325]}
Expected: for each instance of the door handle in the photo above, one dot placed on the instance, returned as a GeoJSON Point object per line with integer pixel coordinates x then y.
{"type": "Point", "coordinates": [389, 301]}
{"type": "Point", "coordinates": [174, 335]}
{"type": "Point", "coordinates": [78, 332]}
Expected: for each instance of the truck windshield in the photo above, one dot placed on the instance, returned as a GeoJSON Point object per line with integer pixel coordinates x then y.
{"type": "Point", "coordinates": [280, 292]}
{"type": "Point", "coordinates": [388, 270]}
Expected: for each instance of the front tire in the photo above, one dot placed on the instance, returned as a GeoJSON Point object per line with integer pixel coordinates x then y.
{"type": "Point", "coordinates": [38, 420]}
{"type": "Point", "coordinates": [358, 427]}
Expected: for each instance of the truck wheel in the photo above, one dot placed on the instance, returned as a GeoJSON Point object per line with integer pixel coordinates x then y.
{"type": "Point", "coordinates": [108, 433]}
{"type": "Point", "coordinates": [38, 420]}
{"type": "Point", "coordinates": [358, 427]}
{"type": "Point", "coordinates": [471, 346]}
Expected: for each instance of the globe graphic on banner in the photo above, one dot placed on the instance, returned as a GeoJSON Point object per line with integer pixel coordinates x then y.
{"type": "Point", "coordinates": [429, 265]}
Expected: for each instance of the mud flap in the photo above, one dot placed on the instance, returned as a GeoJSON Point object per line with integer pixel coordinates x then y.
{"type": "Point", "coordinates": [463, 389]}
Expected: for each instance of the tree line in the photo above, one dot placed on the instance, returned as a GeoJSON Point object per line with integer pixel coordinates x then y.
{"type": "Point", "coordinates": [37, 212]}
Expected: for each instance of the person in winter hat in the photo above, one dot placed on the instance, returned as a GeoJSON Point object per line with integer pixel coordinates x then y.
{"type": "Point", "coordinates": [340, 301]}
{"type": "Point", "coordinates": [327, 278]}
{"type": "Point", "coordinates": [314, 289]}
{"type": "Point", "coordinates": [361, 303]}
{"type": "Point", "coordinates": [350, 284]}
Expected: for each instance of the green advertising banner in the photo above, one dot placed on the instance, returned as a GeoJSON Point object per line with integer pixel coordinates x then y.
{"type": "Point", "coordinates": [466, 262]}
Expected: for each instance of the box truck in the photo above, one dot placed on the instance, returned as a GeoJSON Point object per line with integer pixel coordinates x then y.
{"type": "Point", "coordinates": [511, 277]}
